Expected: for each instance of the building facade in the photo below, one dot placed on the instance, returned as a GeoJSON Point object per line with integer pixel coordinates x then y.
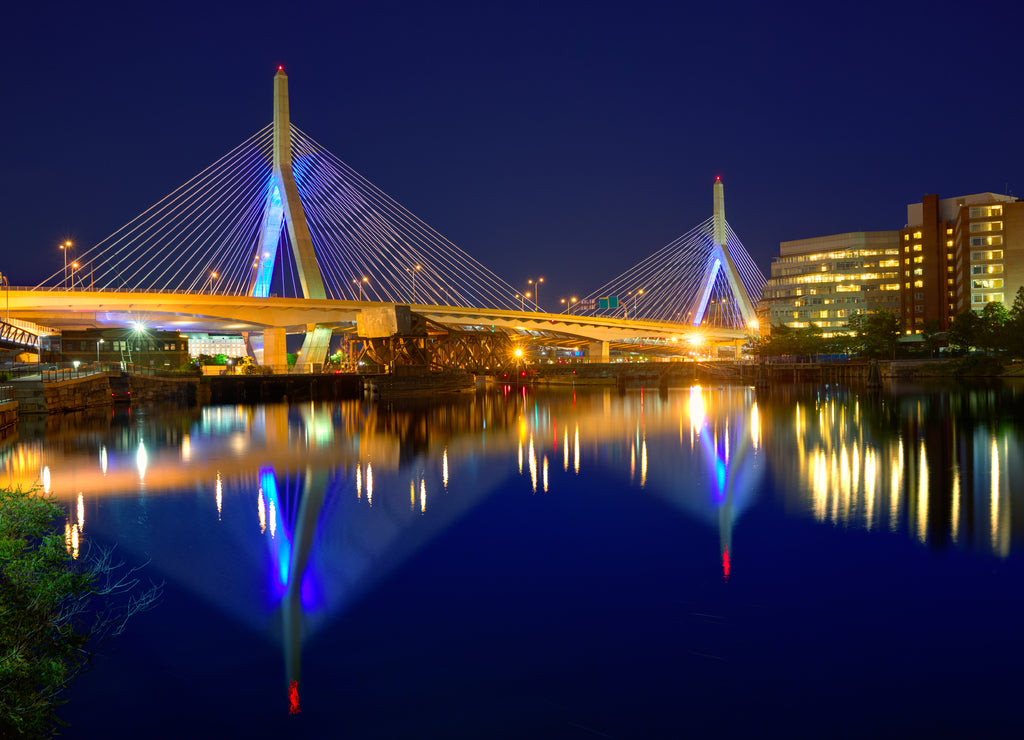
{"type": "Point", "coordinates": [958, 254]}
{"type": "Point", "coordinates": [826, 280]}
{"type": "Point", "coordinates": [163, 350]}
{"type": "Point", "coordinates": [229, 345]}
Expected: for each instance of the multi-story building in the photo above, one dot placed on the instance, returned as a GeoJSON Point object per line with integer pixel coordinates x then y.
{"type": "Point", "coordinates": [828, 279]}
{"type": "Point", "coordinates": [958, 254]}
{"type": "Point", "coordinates": [229, 345]}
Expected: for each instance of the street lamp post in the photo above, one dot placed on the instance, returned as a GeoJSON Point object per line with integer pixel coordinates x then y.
{"type": "Point", "coordinates": [361, 284]}
{"type": "Point", "coordinates": [64, 248]}
{"type": "Point", "coordinates": [522, 299]}
{"type": "Point", "coordinates": [568, 303]}
{"type": "Point", "coordinates": [414, 270]}
{"type": "Point", "coordinates": [7, 288]}
{"type": "Point", "coordinates": [536, 289]}
{"type": "Point", "coordinates": [74, 266]}
{"type": "Point", "coordinates": [98, 343]}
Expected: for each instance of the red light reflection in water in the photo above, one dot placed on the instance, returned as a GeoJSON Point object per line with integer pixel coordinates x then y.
{"type": "Point", "coordinates": [726, 565]}
{"type": "Point", "coordinates": [293, 698]}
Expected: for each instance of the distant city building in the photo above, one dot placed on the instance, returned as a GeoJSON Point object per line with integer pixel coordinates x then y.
{"type": "Point", "coordinates": [826, 280]}
{"type": "Point", "coordinates": [958, 254]}
{"type": "Point", "coordinates": [230, 345]}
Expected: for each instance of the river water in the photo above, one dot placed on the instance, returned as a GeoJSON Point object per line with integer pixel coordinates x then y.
{"type": "Point", "coordinates": [808, 562]}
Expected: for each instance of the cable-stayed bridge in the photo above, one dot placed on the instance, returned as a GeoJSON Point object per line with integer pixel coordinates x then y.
{"type": "Point", "coordinates": [280, 236]}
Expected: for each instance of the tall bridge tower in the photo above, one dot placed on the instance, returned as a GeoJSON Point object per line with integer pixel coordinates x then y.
{"type": "Point", "coordinates": [722, 259]}
{"type": "Point", "coordinates": [284, 208]}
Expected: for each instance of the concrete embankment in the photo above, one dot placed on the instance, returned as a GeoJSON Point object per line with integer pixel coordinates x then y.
{"type": "Point", "coordinates": [101, 389]}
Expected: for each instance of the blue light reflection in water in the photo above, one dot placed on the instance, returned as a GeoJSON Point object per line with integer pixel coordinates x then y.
{"type": "Point", "coordinates": [682, 557]}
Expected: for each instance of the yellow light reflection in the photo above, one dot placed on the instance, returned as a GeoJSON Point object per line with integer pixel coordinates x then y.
{"type": "Point", "coordinates": [520, 456]}
{"type": "Point", "coordinates": [273, 519]}
{"type": "Point", "coordinates": [359, 482]}
{"type": "Point", "coordinates": [755, 427]}
{"type": "Point", "coordinates": [922, 495]}
{"type": "Point", "coordinates": [74, 542]}
{"type": "Point", "coordinates": [369, 484]}
{"type": "Point", "coordinates": [81, 511]}
{"type": "Point", "coordinates": [869, 486]}
{"type": "Point", "coordinates": [186, 448]}
{"type": "Point", "coordinates": [46, 479]}
{"type": "Point", "coordinates": [643, 462]}
{"type": "Point", "coordinates": [632, 462]}
{"type": "Point", "coordinates": [412, 495]}
{"type": "Point", "coordinates": [423, 495]}
{"type": "Point", "coordinates": [565, 450]}
{"type": "Point", "coordinates": [545, 473]}
{"type": "Point", "coordinates": [576, 452]}
{"type": "Point", "coordinates": [954, 508]}
{"type": "Point", "coordinates": [444, 468]}
{"type": "Point", "coordinates": [697, 414]}
{"type": "Point", "coordinates": [103, 460]}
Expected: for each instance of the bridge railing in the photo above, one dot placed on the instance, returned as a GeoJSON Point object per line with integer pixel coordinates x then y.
{"type": "Point", "coordinates": [6, 393]}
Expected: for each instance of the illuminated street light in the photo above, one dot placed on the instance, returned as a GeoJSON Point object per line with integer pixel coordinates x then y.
{"type": "Point", "coordinates": [536, 289]}
{"type": "Point", "coordinates": [361, 285]}
{"type": "Point", "coordinates": [7, 287]}
{"type": "Point", "coordinates": [413, 270]}
{"type": "Point", "coordinates": [74, 266]}
{"type": "Point", "coordinates": [213, 276]}
{"type": "Point", "coordinates": [98, 343]}
{"type": "Point", "coordinates": [568, 303]}
{"type": "Point", "coordinates": [64, 248]}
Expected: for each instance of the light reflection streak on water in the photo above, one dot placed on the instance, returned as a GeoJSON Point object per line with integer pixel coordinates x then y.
{"type": "Point", "coordinates": [272, 515]}
{"type": "Point", "coordinates": [632, 461]}
{"type": "Point", "coordinates": [359, 481]}
{"type": "Point", "coordinates": [755, 427]}
{"type": "Point", "coordinates": [444, 469]}
{"type": "Point", "coordinates": [533, 466]}
{"type": "Point", "coordinates": [46, 479]}
{"type": "Point", "coordinates": [186, 448]}
{"type": "Point", "coordinates": [565, 451]}
{"type": "Point", "coordinates": [103, 460]}
{"type": "Point", "coordinates": [140, 460]}
{"type": "Point", "coordinates": [545, 471]}
{"type": "Point", "coordinates": [423, 495]}
{"type": "Point", "coordinates": [994, 494]}
{"type": "Point", "coordinates": [922, 495]}
{"type": "Point", "coordinates": [954, 514]}
{"type": "Point", "coordinates": [81, 512]}
{"type": "Point", "coordinates": [894, 490]}
{"type": "Point", "coordinates": [576, 451]}
{"type": "Point", "coordinates": [870, 478]}
{"type": "Point", "coordinates": [369, 484]}
{"type": "Point", "coordinates": [261, 511]}
{"type": "Point", "coordinates": [643, 463]}
{"type": "Point", "coordinates": [412, 495]}
{"type": "Point", "coordinates": [220, 495]}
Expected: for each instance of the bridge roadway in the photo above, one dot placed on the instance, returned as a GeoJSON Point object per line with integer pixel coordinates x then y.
{"type": "Point", "coordinates": [82, 309]}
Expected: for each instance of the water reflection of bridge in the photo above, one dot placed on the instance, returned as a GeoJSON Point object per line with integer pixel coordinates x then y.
{"type": "Point", "coordinates": [343, 493]}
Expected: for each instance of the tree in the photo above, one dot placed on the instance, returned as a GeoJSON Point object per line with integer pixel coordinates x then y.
{"type": "Point", "coordinates": [964, 331]}
{"type": "Point", "coordinates": [931, 335]}
{"type": "Point", "coordinates": [1015, 326]}
{"type": "Point", "coordinates": [54, 612]}
{"type": "Point", "coordinates": [994, 318]}
{"type": "Point", "coordinates": [875, 333]}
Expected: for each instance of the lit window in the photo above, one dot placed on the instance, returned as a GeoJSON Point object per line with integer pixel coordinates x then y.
{"type": "Point", "coordinates": [986, 226]}
{"type": "Point", "coordinates": [992, 254]}
{"type": "Point", "coordinates": [917, 234]}
{"type": "Point", "coordinates": [906, 237]}
{"type": "Point", "coordinates": [917, 247]}
{"type": "Point", "coordinates": [919, 271]}
{"type": "Point", "coordinates": [919, 283]}
{"type": "Point", "coordinates": [919, 259]}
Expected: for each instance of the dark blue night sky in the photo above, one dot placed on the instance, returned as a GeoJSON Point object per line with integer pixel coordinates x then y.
{"type": "Point", "coordinates": [561, 139]}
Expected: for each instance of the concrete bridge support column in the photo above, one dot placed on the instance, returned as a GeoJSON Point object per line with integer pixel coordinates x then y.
{"type": "Point", "coordinates": [599, 352]}
{"type": "Point", "coordinates": [275, 351]}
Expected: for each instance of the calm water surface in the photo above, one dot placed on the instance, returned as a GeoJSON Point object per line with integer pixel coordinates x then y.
{"type": "Point", "coordinates": [702, 562]}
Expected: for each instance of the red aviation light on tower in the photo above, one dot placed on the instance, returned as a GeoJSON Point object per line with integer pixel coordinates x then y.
{"type": "Point", "coordinates": [280, 68]}
{"type": "Point", "coordinates": [718, 178]}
